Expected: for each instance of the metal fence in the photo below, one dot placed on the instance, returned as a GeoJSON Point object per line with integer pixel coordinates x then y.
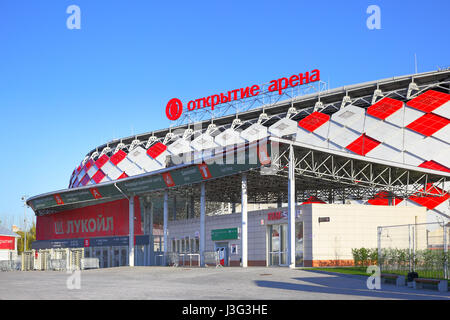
{"type": "Point", "coordinates": [212, 258]}
{"type": "Point", "coordinates": [421, 248]}
{"type": "Point", "coordinates": [9, 265]}
{"type": "Point", "coordinates": [176, 259]}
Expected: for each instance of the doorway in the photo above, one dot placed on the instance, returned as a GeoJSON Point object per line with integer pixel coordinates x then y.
{"type": "Point", "coordinates": [278, 245]}
{"type": "Point", "coordinates": [222, 249]}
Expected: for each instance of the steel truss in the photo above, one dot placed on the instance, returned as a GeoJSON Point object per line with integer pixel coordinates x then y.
{"type": "Point", "coordinates": [363, 178]}
{"type": "Point", "coordinates": [265, 98]}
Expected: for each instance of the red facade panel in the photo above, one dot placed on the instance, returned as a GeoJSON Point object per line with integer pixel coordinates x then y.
{"type": "Point", "coordinates": [384, 108]}
{"type": "Point", "coordinates": [313, 121]}
{"type": "Point", "coordinates": [362, 145]}
{"type": "Point", "coordinates": [155, 150]}
{"type": "Point", "coordinates": [428, 124]}
{"type": "Point", "coordinates": [429, 100]}
{"type": "Point", "coordinates": [101, 220]}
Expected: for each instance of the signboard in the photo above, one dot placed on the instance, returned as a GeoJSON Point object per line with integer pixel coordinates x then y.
{"type": "Point", "coordinates": [105, 219]}
{"type": "Point", "coordinates": [224, 234]}
{"type": "Point", "coordinates": [324, 219]}
{"type": "Point", "coordinates": [282, 214]}
{"type": "Point", "coordinates": [7, 242]}
{"type": "Point", "coordinates": [139, 240]}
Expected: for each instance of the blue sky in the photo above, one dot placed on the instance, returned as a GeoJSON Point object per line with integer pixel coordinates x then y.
{"type": "Point", "coordinates": [64, 92]}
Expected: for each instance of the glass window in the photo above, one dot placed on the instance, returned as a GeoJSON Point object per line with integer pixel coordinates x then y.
{"type": "Point", "coordinates": [299, 244]}
{"type": "Point", "coordinates": [192, 245]}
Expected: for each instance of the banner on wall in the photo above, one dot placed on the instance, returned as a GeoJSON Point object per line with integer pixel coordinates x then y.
{"type": "Point", "coordinates": [7, 243]}
{"type": "Point", "coordinates": [101, 220]}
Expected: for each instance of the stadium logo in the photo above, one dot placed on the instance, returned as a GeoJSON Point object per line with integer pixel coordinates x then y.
{"type": "Point", "coordinates": [174, 109]}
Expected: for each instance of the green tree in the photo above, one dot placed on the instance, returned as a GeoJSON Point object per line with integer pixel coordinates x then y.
{"type": "Point", "coordinates": [31, 236]}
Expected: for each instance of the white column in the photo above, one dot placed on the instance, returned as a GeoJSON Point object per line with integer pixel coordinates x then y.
{"type": "Point", "coordinates": [131, 232]}
{"type": "Point", "coordinates": [244, 222]}
{"type": "Point", "coordinates": [202, 224]}
{"type": "Point", "coordinates": [166, 218]}
{"type": "Point", "coordinates": [291, 209]}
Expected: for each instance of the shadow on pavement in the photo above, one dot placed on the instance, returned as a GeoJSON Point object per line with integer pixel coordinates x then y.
{"type": "Point", "coordinates": [351, 286]}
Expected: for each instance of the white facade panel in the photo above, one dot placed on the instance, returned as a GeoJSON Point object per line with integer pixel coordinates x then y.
{"type": "Point", "coordinates": [443, 134]}
{"type": "Point", "coordinates": [384, 152]}
{"type": "Point", "coordinates": [203, 141]}
{"type": "Point", "coordinates": [382, 131]}
{"type": "Point", "coordinates": [255, 132]}
{"type": "Point", "coordinates": [283, 127]}
{"type": "Point", "coordinates": [111, 170]}
{"type": "Point", "coordinates": [443, 111]}
{"type": "Point", "coordinates": [127, 166]}
{"type": "Point", "coordinates": [342, 136]}
{"type": "Point", "coordinates": [140, 157]}
{"type": "Point", "coordinates": [179, 146]}
{"type": "Point", "coordinates": [228, 137]}
{"type": "Point", "coordinates": [351, 117]}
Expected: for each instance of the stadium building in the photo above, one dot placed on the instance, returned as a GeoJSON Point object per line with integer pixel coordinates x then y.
{"type": "Point", "coordinates": [288, 173]}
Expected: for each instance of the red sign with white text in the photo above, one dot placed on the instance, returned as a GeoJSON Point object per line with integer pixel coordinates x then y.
{"type": "Point", "coordinates": [7, 243]}
{"type": "Point", "coordinates": [101, 220]}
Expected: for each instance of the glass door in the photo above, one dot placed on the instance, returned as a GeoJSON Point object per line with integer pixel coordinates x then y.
{"type": "Point", "coordinates": [278, 245]}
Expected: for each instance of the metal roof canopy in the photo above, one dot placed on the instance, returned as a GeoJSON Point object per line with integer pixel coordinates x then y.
{"type": "Point", "coordinates": [329, 174]}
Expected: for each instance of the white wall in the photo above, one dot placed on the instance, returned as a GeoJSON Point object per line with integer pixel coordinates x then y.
{"type": "Point", "coordinates": [353, 226]}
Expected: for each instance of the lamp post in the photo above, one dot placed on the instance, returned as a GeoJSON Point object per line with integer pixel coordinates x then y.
{"type": "Point", "coordinates": [24, 198]}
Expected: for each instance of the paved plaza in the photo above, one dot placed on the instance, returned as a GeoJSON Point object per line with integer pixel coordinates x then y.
{"type": "Point", "coordinates": [200, 283]}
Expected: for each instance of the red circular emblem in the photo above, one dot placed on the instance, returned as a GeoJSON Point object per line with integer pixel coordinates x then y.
{"type": "Point", "coordinates": [174, 109]}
